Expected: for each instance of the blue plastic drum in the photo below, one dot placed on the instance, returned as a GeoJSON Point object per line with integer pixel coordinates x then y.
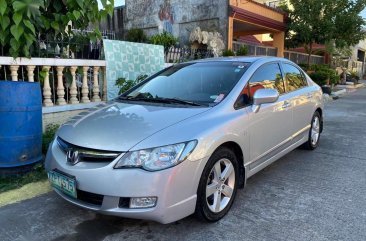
{"type": "Point", "coordinates": [20, 124]}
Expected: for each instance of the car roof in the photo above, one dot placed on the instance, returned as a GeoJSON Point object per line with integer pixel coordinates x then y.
{"type": "Point", "coordinates": [247, 59]}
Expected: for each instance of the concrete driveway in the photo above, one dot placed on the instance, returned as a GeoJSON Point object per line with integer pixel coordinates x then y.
{"type": "Point", "coordinates": [319, 195]}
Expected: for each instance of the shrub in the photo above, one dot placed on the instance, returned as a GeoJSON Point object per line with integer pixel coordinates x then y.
{"type": "Point", "coordinates": [242, 51]}
{"type": "Point", "coordinates": [304, 67]}
{"type": "Point", "coordinates": [166, 39]}
{"type": "Point", "coordinates": [334, 78]}
{"type": "Point", "coordinates": [319, 77]}
{"type": "Point", "coordinates": [324, 69]}
{"type": "Point", "coordinates": [136, 35]}
{"type": "Point", "coordinates": [228, 52]}
{"type": "Point", "coordinates": [317, 67]}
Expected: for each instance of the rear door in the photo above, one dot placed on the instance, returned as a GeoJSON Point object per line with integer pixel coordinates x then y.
{"type": "Point", "coordinates": [300, 98]}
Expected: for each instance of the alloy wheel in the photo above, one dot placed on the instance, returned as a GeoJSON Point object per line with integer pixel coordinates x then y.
{"type": "Point", "coordinates": [220, 185]}
{"type": "Point", "coordinates": [315, 131]}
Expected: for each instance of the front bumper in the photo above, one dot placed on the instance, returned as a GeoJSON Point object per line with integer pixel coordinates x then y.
{"type": "Point", "coordinates": [175, 188]}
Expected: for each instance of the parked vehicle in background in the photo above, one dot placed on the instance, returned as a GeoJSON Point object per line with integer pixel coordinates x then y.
{"type": "Point", "coordinates": [184, 140]}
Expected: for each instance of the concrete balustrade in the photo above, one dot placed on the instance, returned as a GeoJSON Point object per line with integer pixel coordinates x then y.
{"type": "Point", "coordinates": [95, 84]}
{"type": "Point", "coordinates": [14, 72]}
{"type": "Point", "coordinates": [30, 70]}
{"type": "Point", "coordinates": [73, 89]}
{"type": "Point", "coordinates": [60, 86]}
{"type": "Point", "coordinates": [87, 83]}
{"type": "Point", "coordinates": [84, 88]}
{"type": "Point", "coordinates": [46, 87]}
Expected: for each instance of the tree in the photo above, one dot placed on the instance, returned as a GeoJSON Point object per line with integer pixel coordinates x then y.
{"type": "Point", "coordinates": [324, 22]}
{"type": "Point", "coordinates": [22, 21]}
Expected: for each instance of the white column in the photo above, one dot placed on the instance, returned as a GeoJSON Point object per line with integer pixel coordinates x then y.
{"type": "Point", "coordinates": [14, 72]}
{"type": "Point", "coordinates": [84, 87]}
{"type": "Point", "coordinates": [46, 88]}
{"type": "Point", "coordinates": [95, 84]}
{"type": "Point", "coordinates": [73, 89]}
{"type": "Point", "coordinates": [30, 70]}
{"type": "Point", "coordinates": [104, 83]}
{"type": "Point", "coordinates": [60, 86]}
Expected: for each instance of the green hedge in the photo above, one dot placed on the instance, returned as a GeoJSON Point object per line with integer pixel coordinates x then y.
{"type": "Point", "coordinates": [322, 73]}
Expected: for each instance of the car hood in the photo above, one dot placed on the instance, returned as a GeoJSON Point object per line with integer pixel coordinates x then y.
{"type": "Point", "coordinates": [119, 126]}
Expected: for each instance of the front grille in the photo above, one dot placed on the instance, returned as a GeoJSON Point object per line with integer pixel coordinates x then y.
{"type": "Point", "coordinates": [89, 197]}
{"type": "Point", "coordinates": [87, 154]}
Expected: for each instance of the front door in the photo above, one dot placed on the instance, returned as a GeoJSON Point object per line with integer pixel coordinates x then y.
{"type": "Point", "coordinates": [270, 128]}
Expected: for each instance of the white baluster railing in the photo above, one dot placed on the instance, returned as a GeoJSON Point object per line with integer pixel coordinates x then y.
{"type": "Point", "coordinates": [51, 73]}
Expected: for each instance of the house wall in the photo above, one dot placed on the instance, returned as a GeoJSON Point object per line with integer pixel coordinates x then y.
{"type": "Point", "coordinates": [360, 46]}
{"type": "Point", "coordinates": [114, 23]}
{"type": "Point", "coordinates": [176, 16]}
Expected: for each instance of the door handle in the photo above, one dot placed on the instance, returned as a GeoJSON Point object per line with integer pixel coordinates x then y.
{"type": "Point", "coordinates": [286, 105]}
{"type": "Point", "coordinates": [309, 96]}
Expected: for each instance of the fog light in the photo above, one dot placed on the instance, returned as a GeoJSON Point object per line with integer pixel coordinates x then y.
{"type": "Point", "coordinates": [143, 202]}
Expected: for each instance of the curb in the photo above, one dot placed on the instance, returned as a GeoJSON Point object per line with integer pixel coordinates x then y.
{"type": "Point", "coordinates": [339, 93]}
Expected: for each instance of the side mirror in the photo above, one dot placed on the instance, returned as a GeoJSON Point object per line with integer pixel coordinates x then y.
{"type": "Point", "coordinates": [264, 96]}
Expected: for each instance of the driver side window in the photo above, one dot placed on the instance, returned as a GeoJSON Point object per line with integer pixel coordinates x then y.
{"type": "Point", "coordinates": [267, 76]}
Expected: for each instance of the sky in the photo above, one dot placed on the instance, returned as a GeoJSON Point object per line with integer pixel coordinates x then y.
{"type": "Point", "coordinates": [117, 3]}
{"type": "Point", "coordinates": [363, 13]}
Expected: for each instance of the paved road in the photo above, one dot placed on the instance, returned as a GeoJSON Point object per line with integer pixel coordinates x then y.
{"type": "Point", "coordinates": [319, 195]}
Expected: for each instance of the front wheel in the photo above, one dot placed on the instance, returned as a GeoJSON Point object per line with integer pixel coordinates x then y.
{"type": "Point", "coordinates": [314, 133]}
{"type": "Point", "coordinates": [218, 185]}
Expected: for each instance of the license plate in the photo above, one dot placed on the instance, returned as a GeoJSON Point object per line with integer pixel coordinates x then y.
{"type": "Point", "coordinates": [63, 183]}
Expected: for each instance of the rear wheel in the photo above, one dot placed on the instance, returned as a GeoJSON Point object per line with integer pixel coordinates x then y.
{"type": "Point", "coordinates": [218, 185]}
{"type": "Point", "coordinates": [314, 133]}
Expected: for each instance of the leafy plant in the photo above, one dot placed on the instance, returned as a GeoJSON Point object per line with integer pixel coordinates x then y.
{"type": "Point", "coordinates": [136, 35]}
{"type": "Point", "coordinates": [242, 51]}
{"type": "Point", "coordinates": [166, 39]}
{"type": "Point", "coordinates": [228, 52]}
{"type": "Point", "coordinates": [22, 21]}
{"type": "Point", "coordinates": [334, 79]}
{"type": "Point", "coordinates": [78, 41]}
{"type": "Point", "coordinates": [125, 85]}
{"type": "Point", "coordinates": [354, 77]}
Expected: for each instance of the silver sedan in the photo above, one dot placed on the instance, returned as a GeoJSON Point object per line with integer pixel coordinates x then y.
{"type": "Point", "coordinates": [184, 140]}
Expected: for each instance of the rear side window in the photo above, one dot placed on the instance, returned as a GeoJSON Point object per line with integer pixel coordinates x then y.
{"type": "Point", "coordinates": [294, 78]}
{"type": "Point", "coordinates": [267, 77]}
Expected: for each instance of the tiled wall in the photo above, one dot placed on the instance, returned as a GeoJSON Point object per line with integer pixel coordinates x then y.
{"type": "Point", "coordinates": [129, 60]}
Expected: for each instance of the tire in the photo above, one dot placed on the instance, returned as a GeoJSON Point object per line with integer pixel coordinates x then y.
{"type": "Point", "coordinates": [222, 189]}
{"type": "Point", "coordinates": [314, 133]}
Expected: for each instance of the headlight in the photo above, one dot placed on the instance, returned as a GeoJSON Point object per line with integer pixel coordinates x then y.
{"type": "Point", "coordinates": [158, 158]}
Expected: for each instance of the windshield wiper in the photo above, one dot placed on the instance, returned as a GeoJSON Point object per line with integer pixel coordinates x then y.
{"type": "Point", "coordinates": [179, 101]}
{"type": "Point", "coordinates": [160, 100]}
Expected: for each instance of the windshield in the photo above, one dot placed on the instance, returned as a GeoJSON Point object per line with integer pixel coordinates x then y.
{"type": "Point", "coordinates": [202, 83]}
